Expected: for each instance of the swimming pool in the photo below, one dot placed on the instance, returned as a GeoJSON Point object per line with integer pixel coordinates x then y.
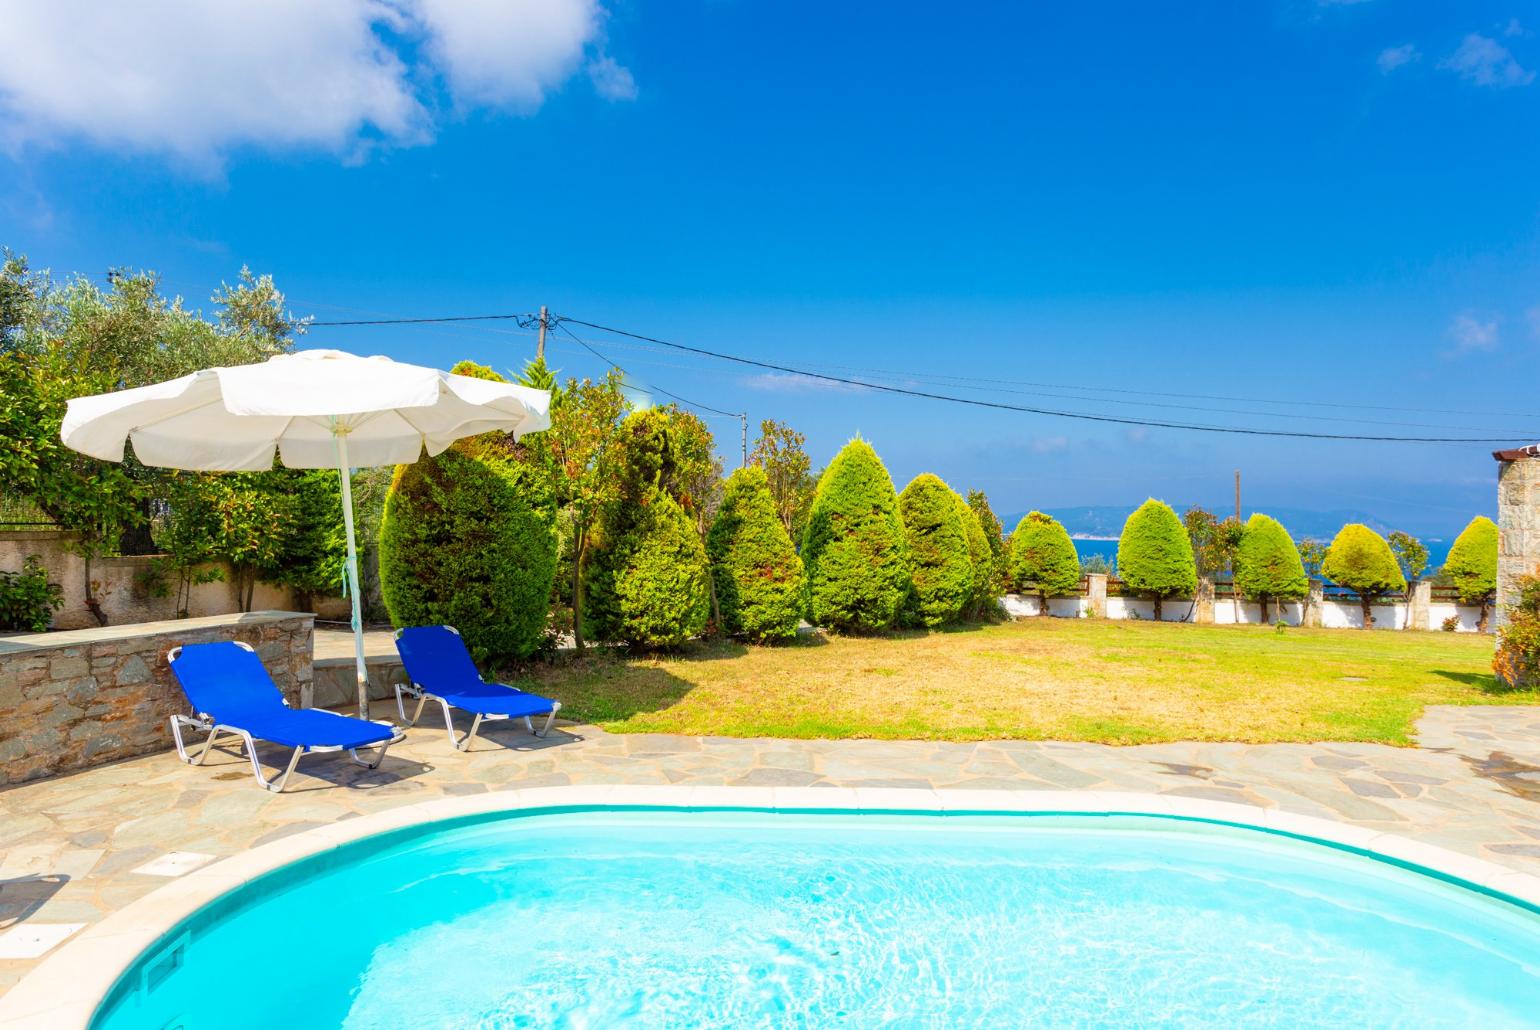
{"type": "Point", "coordinates": [603, 917]}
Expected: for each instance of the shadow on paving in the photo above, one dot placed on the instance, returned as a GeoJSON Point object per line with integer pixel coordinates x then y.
{"type": "Point", "coordinates": [24, 895]}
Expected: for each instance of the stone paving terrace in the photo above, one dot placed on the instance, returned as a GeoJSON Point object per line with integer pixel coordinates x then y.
{"type": "Point", "coordinates": [76, 847]}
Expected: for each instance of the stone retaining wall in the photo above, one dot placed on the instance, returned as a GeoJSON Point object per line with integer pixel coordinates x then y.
{"type": "Point", "coordinates": [74, 699]}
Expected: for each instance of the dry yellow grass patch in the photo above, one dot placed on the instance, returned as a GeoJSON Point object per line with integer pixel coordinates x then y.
{"type": "Point", "coordinates": [1060, 679]}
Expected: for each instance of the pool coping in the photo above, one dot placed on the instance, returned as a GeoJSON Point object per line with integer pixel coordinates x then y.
{"type": "Point", "coordinates": [65, 989]}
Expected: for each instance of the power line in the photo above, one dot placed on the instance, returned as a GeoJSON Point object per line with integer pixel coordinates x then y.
{"type": "Point", "coordinates": [420, 321]}
{"type": "Point", "coordinates": [688, 403]}
{"type": "Point", "coordinates": [867, 380]}
{"type": "Point", "coordinates": [959, 382]}
{"type": "Point", "coordinates": [1056, 413]}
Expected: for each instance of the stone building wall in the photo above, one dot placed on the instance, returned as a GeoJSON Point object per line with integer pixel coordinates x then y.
{"type": "Point", "coordinates": [1518, 523]}
{"type": "Point", "coordinates": [78, 698]}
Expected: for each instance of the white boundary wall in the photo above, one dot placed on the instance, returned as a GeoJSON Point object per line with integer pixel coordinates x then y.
{"type": "Point", "coordinates": [1334, 614]}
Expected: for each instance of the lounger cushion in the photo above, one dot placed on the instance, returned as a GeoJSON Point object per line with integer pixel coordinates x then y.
{"type": "Point", "coordinates": [496, 699]}
{"type": "Point", "coordinates": [437, 660]}
{"type": "Point", "coordinates": [311, 727]}
{"type": "Point", "coordinates": [231, 686]}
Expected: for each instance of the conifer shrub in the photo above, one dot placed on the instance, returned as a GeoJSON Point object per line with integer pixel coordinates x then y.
{"type": "Point", "coordinates": [1043, 559]}
{"type": "Point", "coordinates": [1472, 564]}
{"type": "Point", "coordinates": [994, 534]}
{"type": "Point", "coordinates": [649, 585]}
{"type": "Point", "coordinates": [1361, 560]}
{"type": "Point", "coordinates": [468, 539]}
{"type": "Point", "coordinates": [1155, 556]}
{"type": "Point", "coordinates": [757, 572]}
{"type": "Point", "coordinates": [981, 600]}
{"type": "Point", "coordinates": [853, 549]}
{"type": "Point", "coordinates": [941, 567]}
{"type": "Point", "coordinates": [1267, 564]}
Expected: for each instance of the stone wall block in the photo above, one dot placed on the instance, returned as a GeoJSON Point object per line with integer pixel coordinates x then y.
{"type": "Point", "coordinates": [67, 704]}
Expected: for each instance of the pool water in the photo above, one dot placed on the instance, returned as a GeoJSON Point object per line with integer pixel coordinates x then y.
{"type": "Point", "coordinates": [606, 918]}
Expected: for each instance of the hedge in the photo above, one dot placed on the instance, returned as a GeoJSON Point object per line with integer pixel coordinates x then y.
{"type": "Point", "coordinates": [1267, 564]}
{"type": "Point", "coordinates": [1472, 564]}
{"type": "Point", "coordinates": [853, 549]}
{"type": "Point", "coordinates": [941, 571]}
{"type": "Point", "coordinates": [1361, 560]}
{"type": "Point", "coordinates": [1155, 555]}
{"type": "Point", "coordinates": [467, 539]}
{"type": "Point", "coordinates": [1043, 556]}
{"type": "Point", "coordinates": [648, 584]}
{"type": "Point", "coordinates": [980, 558]}
{"type": "Point", "coordinates": [757, 572]}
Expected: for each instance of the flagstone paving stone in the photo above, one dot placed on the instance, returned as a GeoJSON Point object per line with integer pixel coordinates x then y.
{"type": "Point", "coordinates": [69, 845]}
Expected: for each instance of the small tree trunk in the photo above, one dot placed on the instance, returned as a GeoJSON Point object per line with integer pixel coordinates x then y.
{"type": "Point", "coordinates": [577, 591]}
{"type": "Point", "coordinates": [1157, 607]}
{"type": "Point", "coordinates": [1042, 604]}
{"type": "Point", "coordinates": [92, 602]}
{"type": "Point", "coordinates": [1264, 610]}
{"type": "Point", "coordinates": [716, 607]}
{"type": "Point", "coordinates": [1367, 603]}
{"type": "Point", "coordinates": [1486, 607]}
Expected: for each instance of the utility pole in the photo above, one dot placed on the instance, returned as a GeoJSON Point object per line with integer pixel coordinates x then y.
{"type": "Point", "coordinates": [1237, 495]}
{"type": "Point", "coordinates": [743, 423]}
{"type": "Point", "coordinates": [540, 344]}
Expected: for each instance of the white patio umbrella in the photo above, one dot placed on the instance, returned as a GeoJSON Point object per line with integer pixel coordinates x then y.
{"type": "Point", "coordinates": [314, 409]}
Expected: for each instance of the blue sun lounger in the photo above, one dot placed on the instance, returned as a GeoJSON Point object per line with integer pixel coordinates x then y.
{"type": "Point", "coordinates": [441, 669]}
{"type": "Point", "coordinates": [231, 692]}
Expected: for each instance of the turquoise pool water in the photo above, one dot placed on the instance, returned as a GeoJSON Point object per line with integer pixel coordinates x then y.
{"type": "Point", "coordinates": [607, 918]}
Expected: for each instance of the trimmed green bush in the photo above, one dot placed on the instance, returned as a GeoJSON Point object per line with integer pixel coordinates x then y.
{"type": "Point", "coordinates": [941, 569]}
{"type": "Point", "coordinates": [757, 572]}
{"type": "Point", "coordinates": [854, 551]}
{"type": "Point", "coordinates": [468, 539]}
{"type": "Point", "coordinates": [1361, 560]}
{"type": "Point", "coordinates": [1154, 554]}
{"type": "Point", "coordinates": [982, 560]}
{"type": "Point", "coordinates": [27, 599]}
{"type": "Point", "coordinates": [1267, 565]}
{"type": "Point", "coordinates": [1043, 557]}
{"type": "Point", "coordinates": [1472, 564]}
{"type": "Point", "coordinates": [649, 583]}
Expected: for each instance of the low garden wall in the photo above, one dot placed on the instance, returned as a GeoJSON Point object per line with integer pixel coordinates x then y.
{"type": "Point", "coordinates": [1330, 613]}
{"type": "Point", "coordinates": [122, 585]}
{"type": "Point", "coordinates": [77, 698]}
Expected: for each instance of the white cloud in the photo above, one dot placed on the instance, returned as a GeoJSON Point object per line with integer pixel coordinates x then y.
{"type": "Point", "coordinates": [611, 81]}
{"type": "Point", "coordinates": [509, 52]}
{"type": "Point", "coordinates": [196, 79]}
{"type": "Point", "coordinates": [1394, 57]}
{"type": "Point", "coordinates": [1471, 333]}
{"type": "Point", "coordinates": [789, 381]}
{"type": "Point", "coordinates": [1049, 444]}
{"type": "Point", "coordinates": [1486, 62]}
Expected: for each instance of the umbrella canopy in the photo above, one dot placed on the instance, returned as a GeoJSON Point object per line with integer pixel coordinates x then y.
{"type": "Point", "coordinates": [311, 409]}
{"type": "Point", "coordinates": [235, 419]}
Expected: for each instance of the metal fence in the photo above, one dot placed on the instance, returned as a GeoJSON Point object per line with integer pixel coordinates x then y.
{"type": "Point", "coordinates": [20, 513]}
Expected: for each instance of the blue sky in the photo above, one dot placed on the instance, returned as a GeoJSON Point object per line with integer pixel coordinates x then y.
{"type": "Point", "coordinates": [1332, 203]}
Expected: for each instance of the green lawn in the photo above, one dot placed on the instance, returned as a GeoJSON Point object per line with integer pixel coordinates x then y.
{"type": "Point", "coordinates": [1042, 679]}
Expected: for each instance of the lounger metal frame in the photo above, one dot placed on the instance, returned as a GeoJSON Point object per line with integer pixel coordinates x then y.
{"type": "Point", "coordinates": [423, 696]}
{"type": "Point", "coordinates": [200, 722]}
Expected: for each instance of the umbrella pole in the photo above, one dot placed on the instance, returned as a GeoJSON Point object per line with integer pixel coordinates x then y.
{"type": "Point", "coordinates": [352, 572]}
